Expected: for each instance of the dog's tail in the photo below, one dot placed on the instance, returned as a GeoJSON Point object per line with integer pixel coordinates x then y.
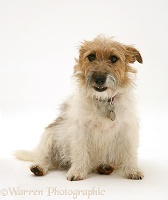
{"type": "Point", "coordinates": [24, 155]}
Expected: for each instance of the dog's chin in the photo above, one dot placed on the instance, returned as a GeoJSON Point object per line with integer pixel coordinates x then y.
{"type": "Point", "coordinates": [101, 93]}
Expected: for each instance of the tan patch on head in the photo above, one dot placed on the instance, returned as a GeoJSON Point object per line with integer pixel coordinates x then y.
{"type": "Point", "coordinates": [104, 49]}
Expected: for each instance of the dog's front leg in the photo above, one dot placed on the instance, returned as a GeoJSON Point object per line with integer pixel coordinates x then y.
{"type": "Point", "coordinates": [129, 143]}
{"type": "Point", "coordinates": [80, 161]}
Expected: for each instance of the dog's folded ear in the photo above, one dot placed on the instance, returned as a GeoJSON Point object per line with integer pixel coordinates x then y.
{"type": "Point", "coordinates": [133, 54]}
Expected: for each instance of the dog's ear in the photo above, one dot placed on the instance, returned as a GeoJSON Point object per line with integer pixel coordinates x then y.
{"type": "Point", "coordinates": [133, 54]}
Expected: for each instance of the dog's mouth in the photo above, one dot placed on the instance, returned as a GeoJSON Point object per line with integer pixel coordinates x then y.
{"type": "Point", "coordinates": [100, 88]}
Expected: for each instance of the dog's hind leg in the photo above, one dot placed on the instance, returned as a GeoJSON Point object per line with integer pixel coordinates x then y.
{"type": "Point", "coordinates": [42, 163]}
{"type": "Point", "coordinates": [42, 160]}
{"type": "Point", "coordinates": [46, 154]}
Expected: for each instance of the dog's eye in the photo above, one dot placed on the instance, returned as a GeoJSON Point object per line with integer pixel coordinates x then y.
{"type": "Point", "coordinates": [113, 59]}
{"type": "Point", "coordinates": [91, 57]}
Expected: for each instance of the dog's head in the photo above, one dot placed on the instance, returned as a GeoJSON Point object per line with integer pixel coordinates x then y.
{"type": "Point", "coordinates": [103, 67]}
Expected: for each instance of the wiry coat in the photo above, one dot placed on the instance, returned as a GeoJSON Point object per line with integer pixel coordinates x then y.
{"type": "Point", "coordinates": [84, 135]}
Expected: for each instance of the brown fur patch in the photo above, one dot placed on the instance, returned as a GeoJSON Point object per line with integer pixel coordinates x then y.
{"type": "Point", "coordinates": [105, 169]}
{"type": "Point", "coordinates": [103, 48]}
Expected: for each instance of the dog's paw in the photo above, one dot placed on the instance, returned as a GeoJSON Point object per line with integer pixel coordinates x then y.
{"type": "Point", "coordinates": [75, 175]}
{"type": "Point", "coordinates": [135, 175]}
{"type": "Point", "coordinates": [37, 170]}
{"type": "Point", "coordinates": [105, 169]}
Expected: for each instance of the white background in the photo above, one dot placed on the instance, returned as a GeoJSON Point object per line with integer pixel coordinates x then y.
{"type": "Point", "coordinates": [38, 42]}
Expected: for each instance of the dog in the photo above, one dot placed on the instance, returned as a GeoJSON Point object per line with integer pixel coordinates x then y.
{"type": "Point", "coordinates": [97, 128]}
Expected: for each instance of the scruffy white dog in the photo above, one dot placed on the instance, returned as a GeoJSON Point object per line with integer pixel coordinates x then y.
{"type": "Point", "coordinates": [97, 129]}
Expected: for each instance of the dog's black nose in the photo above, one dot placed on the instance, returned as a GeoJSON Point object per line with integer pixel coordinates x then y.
{"type": "Point", "coordinates": [99, 79]}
